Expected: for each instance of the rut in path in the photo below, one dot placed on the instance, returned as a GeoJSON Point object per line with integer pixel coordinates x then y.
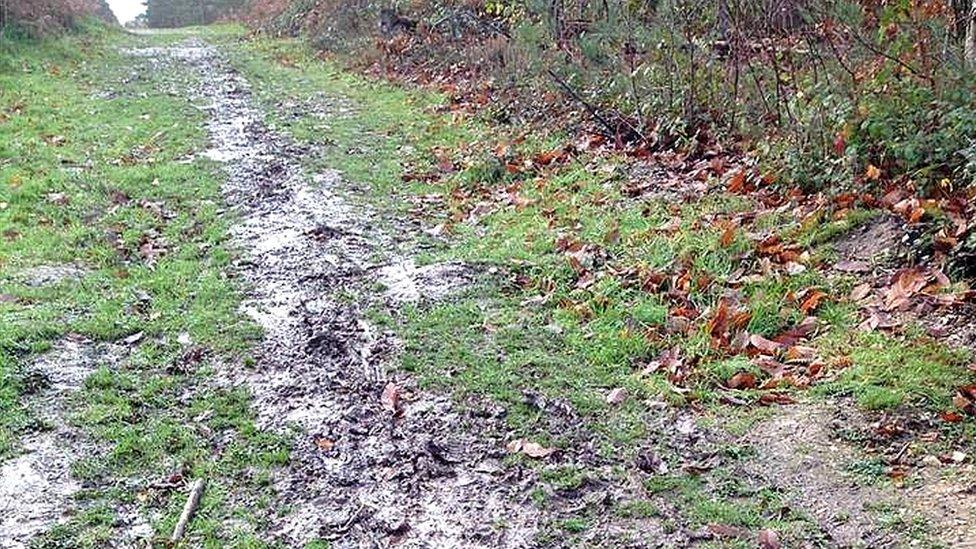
{"type": "Point", "coordinates": [357, 475]}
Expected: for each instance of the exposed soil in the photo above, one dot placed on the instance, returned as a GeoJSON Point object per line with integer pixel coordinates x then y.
{"type": "Point", "coordinates": [814, 451]}
{"type": "Point", "coordinates": [365, 470]}
{"type": "Point", "coordinates": [800, 452]}
{"type": "Point", "coordinates": [378, 461]}
{"type": "Point", "coordinates": [46, 275]}
{"type": "Point", "coordinates": [36, 486]}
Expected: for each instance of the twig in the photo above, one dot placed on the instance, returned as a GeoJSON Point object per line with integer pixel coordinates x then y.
{"type": "Point", "coordinates": [192, 502]}
{"type": "Point", "coordinates": [591, 109]}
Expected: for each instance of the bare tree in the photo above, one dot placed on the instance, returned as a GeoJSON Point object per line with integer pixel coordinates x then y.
{"type": "Point", "coordinates": [970, 41]}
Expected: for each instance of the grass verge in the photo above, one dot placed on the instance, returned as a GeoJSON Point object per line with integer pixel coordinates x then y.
{"type": "Point", "coordinates": [97, 172]}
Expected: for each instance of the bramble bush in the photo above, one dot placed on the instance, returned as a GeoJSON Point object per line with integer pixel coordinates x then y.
{"type": "Point", "coordinates": [816, 89]}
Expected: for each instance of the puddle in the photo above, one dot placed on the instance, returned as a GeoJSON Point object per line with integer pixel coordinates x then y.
{"type": "Point", "coordinates": [407, 283]}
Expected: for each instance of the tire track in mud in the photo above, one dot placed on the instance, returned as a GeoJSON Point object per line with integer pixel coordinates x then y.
{"type": "Point", "coordinates": [359, 475]}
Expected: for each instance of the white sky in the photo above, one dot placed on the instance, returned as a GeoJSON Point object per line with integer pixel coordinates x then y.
{"type": "Point", "coordinates": [126, 10]}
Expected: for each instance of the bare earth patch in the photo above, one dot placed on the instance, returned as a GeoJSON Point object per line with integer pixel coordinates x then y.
{"type": "Point", "coordinates": [46, 275]}
{"type": "Point", "coordinates": [800, 450]}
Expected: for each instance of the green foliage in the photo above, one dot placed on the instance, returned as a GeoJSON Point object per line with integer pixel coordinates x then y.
{"type": "Point", "coordinates": [181, 13]}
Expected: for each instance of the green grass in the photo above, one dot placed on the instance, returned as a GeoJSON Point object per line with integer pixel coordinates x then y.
{"type": "Point", "coordinates": [152, 413]}
{"type": "Point", "coordinates": [887, 373]}
{"type": "Point", "coordinates": [499, 340]}
{"type": "Point", "coordinates": [155, 415]}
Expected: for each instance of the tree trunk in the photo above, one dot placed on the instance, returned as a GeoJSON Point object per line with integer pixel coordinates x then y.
{"type": "Point", "coordinates": [970, 44]}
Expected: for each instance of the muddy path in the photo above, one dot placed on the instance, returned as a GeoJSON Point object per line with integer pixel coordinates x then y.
{"type": "Point", "coordinates": [375, 460]}
{"type": "Point", "coordinates": [36, 486]}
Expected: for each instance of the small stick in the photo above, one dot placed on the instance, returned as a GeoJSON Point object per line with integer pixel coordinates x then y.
{"type": "Point", "coordinates": [192, 501]}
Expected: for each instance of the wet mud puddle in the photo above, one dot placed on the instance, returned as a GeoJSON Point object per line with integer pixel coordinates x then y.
{"type": "Point", "coordinates": [375, 460]}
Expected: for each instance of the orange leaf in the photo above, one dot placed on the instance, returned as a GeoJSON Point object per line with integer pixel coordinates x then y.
{"type": "Point", "coordinates": [812, 301]}
{"type": "Point", "coordinates": [872, 173]}
{"type": "Point", "coordinates": [742, 380]}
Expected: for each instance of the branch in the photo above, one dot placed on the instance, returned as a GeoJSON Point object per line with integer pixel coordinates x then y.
{"type": "Point", "coordinates": [192, 502]}
{"type": "Point", "coordinates": [591, 109]}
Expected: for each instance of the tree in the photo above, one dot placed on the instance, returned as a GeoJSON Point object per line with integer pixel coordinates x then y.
{"type": "Point", "coordinates": [970, 40]}
{"type": "Point", "coordinates": [179, 13]}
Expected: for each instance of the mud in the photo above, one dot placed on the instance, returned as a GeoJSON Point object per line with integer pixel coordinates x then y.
{"type": "Point", "coordinates": [809, 450]}
{"type": "Point", "coordinates": [361, 473]}
{"type": "Point", "coordinates": [36, 487]}
{"type": "Point", "coordinates": [47, 275]}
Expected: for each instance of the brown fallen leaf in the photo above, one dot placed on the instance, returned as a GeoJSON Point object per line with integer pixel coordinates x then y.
{"type": "Point", "coordinates": [531, 449]}
{"type": "Point", "coordinates": [391, 398]}
{"type": "Point", "coordinates": [742, 380]}
{"type": "Point", "coordinates": [765, 345]}
{"type": "Point", "coordinates": [872, 172]}
{"type": "Point", "coordinates": [812, 301]}
{"type": "Point", "coordinates": [776, 398]}
{"type": "Point", "coordinates": [617, 396]}
{"type": "Point", "coordinates": [726, 531]}
{"type": "Point", "coordinates": [325, 444]}
{"type": "Point", "coordinates": [860, 291]}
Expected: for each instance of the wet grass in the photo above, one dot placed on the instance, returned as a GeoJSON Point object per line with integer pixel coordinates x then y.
{"type": "Point", "coordinates": [93, 173]}
{"type": "Point", "coordinates": [528, 327]}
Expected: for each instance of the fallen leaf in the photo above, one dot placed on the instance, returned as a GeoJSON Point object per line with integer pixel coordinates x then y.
{"type": "Point", "coordinates": [860, 291]}
{"type": "Point", "coordinates": [776, 398]}
{"type": "Point", "coordinates": [726, 531]}
{"type": "Point", "coordinates": [742, 380]}
{"type": "Point", "coordinates": [764, 345]}
{"type": "Point", "coordinates": [727, 236]}
{"type": "Point", "coordinates": [872, 172]}
{"type": "Point", "coordinates": [737, 182]}
{"type": "Point", "coordinates": [325, 444]}
{"type": "Point", "coordinates": [391, 398]}
{"type": "Point", "coordinates": [132, 339]}
{"type": "Point", "coordinates": [951, 416]}
{"type": "Point", "coordinates": [812, 301]}
{"type": "Point", "coordinates": [617, 395]}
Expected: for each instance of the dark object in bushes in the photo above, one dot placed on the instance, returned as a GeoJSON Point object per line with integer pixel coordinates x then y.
{"type": "Point", "coordinates": [391, 23]}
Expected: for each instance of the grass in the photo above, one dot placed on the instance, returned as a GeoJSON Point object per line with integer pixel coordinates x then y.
{"type": "Point", "coordinates": [88, 178]}
{"type": "Point", "coordinates": [525, 327]}
{"type": "Point", "coordinates": [501, 340]}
